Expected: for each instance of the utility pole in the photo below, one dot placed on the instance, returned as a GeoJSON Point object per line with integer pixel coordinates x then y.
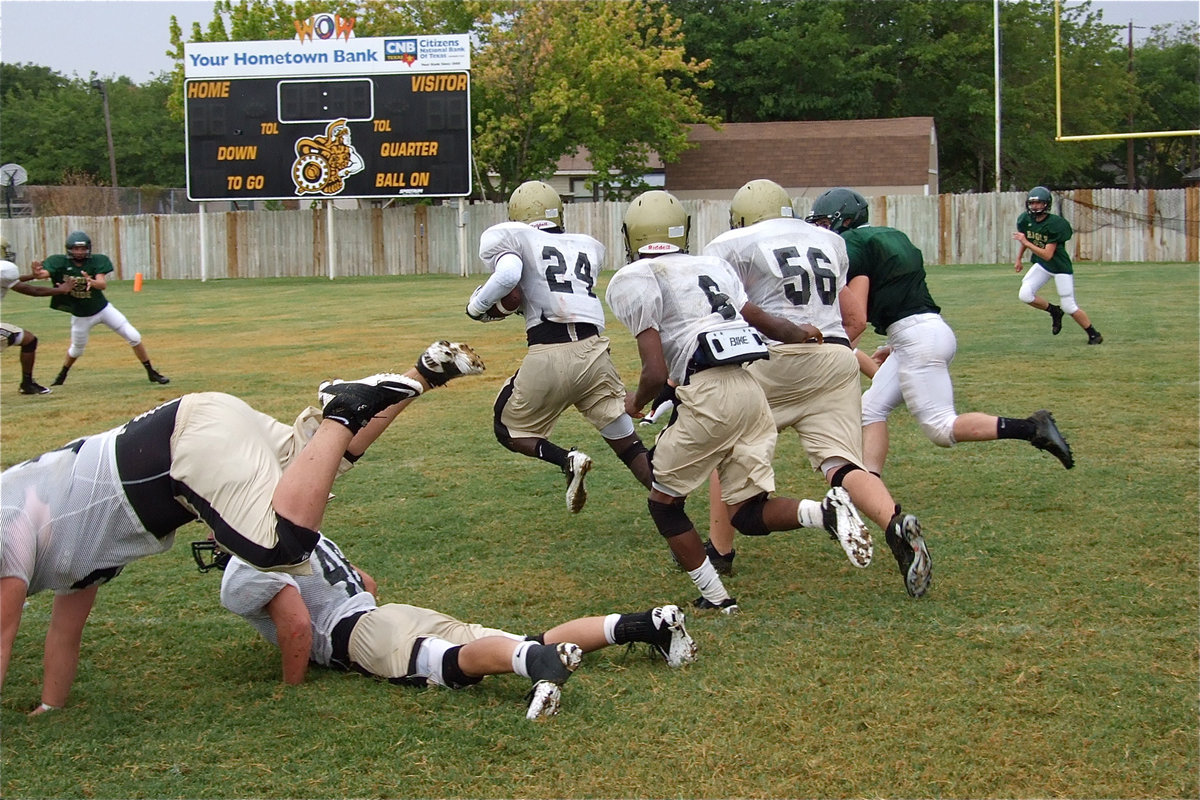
{"type": "Point", "coordinates": [1130, 171]}
{"type": "Point", "coordinates": [99, 86]}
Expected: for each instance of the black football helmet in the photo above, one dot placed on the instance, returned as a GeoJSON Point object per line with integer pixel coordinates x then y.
{"type": "Point", "coordinates": [79, 239]}
{"type": "Point", "coordinates": [209, 555]}
{"type": "Point", "coordinates": [844, 208]}
{"type": "Point", "coordinates": [1039, 194]}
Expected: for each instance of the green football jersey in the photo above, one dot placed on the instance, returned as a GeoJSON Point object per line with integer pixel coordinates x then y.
{"type": "Point", "coordinates": [1052, 229]}
{"type": "Point", "coordinates": [81, 302]}
{"type": "Point", "coordinates": [896, 270]}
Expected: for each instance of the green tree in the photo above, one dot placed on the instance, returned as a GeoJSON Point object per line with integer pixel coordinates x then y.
{"type": "Point", "coordinates": [54, 127]}
{"type": "Point", "coordinates": [1167, 98]}
{"type": "Point", "coordinates": [862, 59]}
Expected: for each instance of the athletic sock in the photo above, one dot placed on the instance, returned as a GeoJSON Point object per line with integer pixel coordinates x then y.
{"type": "Point", "coordinates": [1009, 428]}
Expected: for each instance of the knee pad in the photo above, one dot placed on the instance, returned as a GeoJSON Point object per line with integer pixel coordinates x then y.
{"type": "Point", "coordinates": [940, 431]}
{"type": "Point", "coordinates": [30, 343]}
{"type": "Point", "coordinates": [619, 428]}
{"type": "Point", "coordinates": [630, 453]}
{"type": "Point", "coordinates": [749, 518]}
{"type": "Point", "coordinates": [295, 544]}
{"type": "Point", "coordinates": [452, 674]}
{"type": "Point", "coordinates": [130, 334]}
{"type": "Point", "coordinates": [1067, 302]}
{"type": "Point", "coordinates": [1026, 294]}
{"type": "Point", "coordinates": [498, 427]}
{"type": "Point", "coordinates": [670, 518]}
{"type": "Point", "coordinates": [840, 474]}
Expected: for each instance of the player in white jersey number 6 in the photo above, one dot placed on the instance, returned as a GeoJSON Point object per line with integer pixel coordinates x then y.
{"type": "Point", "coordinates": [691, 319]}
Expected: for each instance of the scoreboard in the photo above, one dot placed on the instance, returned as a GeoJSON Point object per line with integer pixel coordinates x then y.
{"type": "Point", "coordinates": [325, 133]}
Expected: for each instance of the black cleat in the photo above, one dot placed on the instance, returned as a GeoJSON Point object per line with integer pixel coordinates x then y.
{"type": "Point", "coordinates": [157, 377]}
{"type": "Point", "coordinates": [355, 403]}
{"type": "Point", "coordinates": [32, 387]}
{"type": "Point", "coordinates": [1056, 318]}
{"type": "Point", "coordinates": [1097, 339]}
{"type": "Point", "coordinates": [903, 535]}
{"type": "Point", "coordinates": [1047, 437]}
{"type": "Point", "coordinates": [723, 564]}
{"type": "Point", "coordinates": [59, 379]}
{"type": "Point", "coordinates": [727, 606]}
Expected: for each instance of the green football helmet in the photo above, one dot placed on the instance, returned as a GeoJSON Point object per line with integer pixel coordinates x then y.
{"type": "Point", "coordinates": [655, 224]}
{"type": "Point", "coordinates": [759, 200]}
{"type": "Point", "coordinates": [844, 208]}
{"type": "Point", "coordinates": [536, 203]}
{"type": "Point", "coordinates": [78, 239]}
{"type": "Point", "coordinates": [1039, 194]}
{"type": "Point", "coordinates": [6, 250]}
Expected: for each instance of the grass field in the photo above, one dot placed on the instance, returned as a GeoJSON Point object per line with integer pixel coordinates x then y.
{"type": "Point", "coordinates": [1055, 655]}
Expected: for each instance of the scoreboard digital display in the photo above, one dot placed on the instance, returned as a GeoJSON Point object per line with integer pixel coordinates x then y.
{"type": "Point", "coordinates": [367, 136]}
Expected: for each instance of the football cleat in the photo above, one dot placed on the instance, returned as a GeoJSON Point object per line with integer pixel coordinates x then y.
{"type": "Point", "coordinates": [444, 360]}
{"type": "Point", "coordinates": [1047, 437]}
{"type": "Point", "coordinates": [578, 465]}
{"type": "Point", "coordinates": [553, 662]}
{"type": "Point", "coordinates": [544, 700]}
{"type": "Point", "coordinates": [59, 379]}
{"type": "Point", "coordinates": [727, 606]}
{"type": "Point", "coordinates": [672, 640]}
{"type": "Point", "coordinates": [908, 546]}
{"type": "Point", "coordinates": [1056, 318]}
{"type": "Point", "coordinates": [723, 564]}
{"type": "Point", "coordinates": [32, 387]}
{"type": "Point", "coordinates": [841, 519]}
{"type": "Point", "coordinates": [157, 377]}
{"type": "Point", "coordinates": [354, 403]}
{"type": "Point", "coordinates": [1097, 339]}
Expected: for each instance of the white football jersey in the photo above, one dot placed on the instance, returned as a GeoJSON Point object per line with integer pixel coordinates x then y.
{"type": "Point", "coordinates": [558, 273]}
{"type": "Point", "coordinates": [680, 296]}
{"type": "Point", "coordinates": [790, 268]}
{"type": "Point", "coordinates": [331, 593]}
{"type": "Point", "coordinates": [10, 273]}
{"type": "Point", "coordinates": [65, 521]}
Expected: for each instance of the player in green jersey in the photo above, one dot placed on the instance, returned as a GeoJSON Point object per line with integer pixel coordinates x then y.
{"type": "Point", "coordinates": [1045, 236]}
{"type": "Point", "coordinates": [87, 304]}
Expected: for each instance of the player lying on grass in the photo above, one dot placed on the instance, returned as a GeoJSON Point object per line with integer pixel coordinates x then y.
{"type": "Point", "coordinates": [71, 519]}
{"type": "Point", "coordinates": [331, 618]}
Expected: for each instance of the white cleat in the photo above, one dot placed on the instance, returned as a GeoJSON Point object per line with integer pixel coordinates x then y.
{"type": "Point", "coordinates": [544, 700]}
{"type": "Point", "coordinates": [841, 519]}
{"type": "Point", "coordinates": [674, 643]}
{"type": "Point", "coordinates": [578, 465]}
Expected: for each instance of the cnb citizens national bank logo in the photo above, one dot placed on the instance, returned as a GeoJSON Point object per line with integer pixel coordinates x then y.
{"type": "Point", "coordinates": [400, 50]}
{"type": "Point", "coordinates": [325, 27]}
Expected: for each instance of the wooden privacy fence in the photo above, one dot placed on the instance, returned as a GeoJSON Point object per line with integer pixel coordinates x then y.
{"type": "Point", "coordinates": [1112, 225]}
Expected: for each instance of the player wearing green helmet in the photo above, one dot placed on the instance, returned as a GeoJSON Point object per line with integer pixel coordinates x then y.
{"type": "Point", "coordinates": [88, 272]}
{"type": "Point", "coordinates": [1045, 235]}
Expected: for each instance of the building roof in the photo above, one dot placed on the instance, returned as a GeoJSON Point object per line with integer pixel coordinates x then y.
{"type": "Point", "coordinates": [868, 152]}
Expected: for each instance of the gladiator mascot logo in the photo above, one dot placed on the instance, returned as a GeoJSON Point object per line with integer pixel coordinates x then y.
{"type": "Point", "coordinates": [324, 162]}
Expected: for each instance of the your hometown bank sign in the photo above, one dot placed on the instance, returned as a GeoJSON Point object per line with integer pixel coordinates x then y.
{"type": "Point", "coordinates": [328, 114]}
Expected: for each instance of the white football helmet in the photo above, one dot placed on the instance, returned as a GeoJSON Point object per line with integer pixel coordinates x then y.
{"type": "Point", "coordinates": [536, 203]}
{"type": "Point", "coordinates": [655, 224]}
{"type": "Point", "coordinates": [758, 200]}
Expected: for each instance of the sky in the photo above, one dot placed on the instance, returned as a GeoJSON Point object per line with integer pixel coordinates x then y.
{"type": "Point", "coordinates": [130, 37]}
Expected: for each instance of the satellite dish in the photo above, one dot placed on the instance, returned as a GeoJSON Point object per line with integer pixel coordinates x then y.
{"type": "Point", "coordinates": [13, 175]}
